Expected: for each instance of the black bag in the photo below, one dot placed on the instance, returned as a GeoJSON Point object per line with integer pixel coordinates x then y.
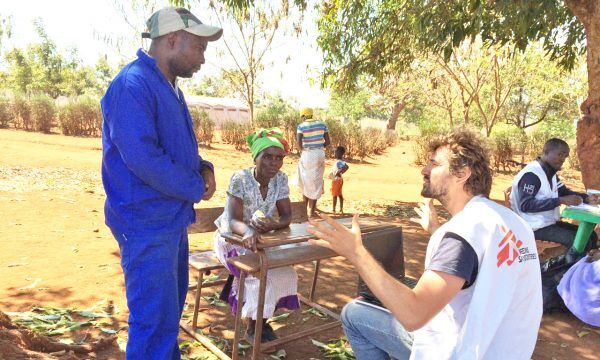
{"type": "Point", "coordinates": [553, 270]}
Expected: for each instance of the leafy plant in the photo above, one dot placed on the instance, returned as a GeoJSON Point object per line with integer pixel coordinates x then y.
{"type": "Point", "coordinates": [235, 133]}
{"type": "Point", "coordinates": [336, 349]}
{"type": "Point", "coordinates": [54, 321]}
{"type": "Point", "coordinates": [279, 318]}
{"type": "Point", "coordinates": [22, 113]}
{"type": "Point", "coordinates": [80, 117]}
{"type": "Point", "coordinates": [6, 113]}
{"type": "Point", "coordinates": [204, 127]}
{"type": "Point", "coordinates": [317, 313]}
{"type": "Point", "coordinates": [43, 111]}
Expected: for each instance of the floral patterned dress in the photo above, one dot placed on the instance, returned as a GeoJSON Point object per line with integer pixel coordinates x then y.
{"type": "Point", "coordinates": [282, 283]}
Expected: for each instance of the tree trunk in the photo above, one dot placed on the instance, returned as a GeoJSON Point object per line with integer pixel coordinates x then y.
{"type": "Point", "coordinates": [588, 127]}
{"type": "Point", "coordinates": [391, 124]}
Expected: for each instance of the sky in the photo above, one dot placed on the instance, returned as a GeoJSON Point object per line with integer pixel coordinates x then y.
{"type": "Point", "coordinates": [291, 67]}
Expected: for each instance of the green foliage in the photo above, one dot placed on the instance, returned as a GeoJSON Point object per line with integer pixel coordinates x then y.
{"type": "Point", "coordinates": [81, 117]}
{"type": "Point", "coordinates": [215, 86]}
{"type": "Point", "coordinates": [22, 113]}
{"type": "Point", "coordinates": [349, 106]}
{"type": "Point", "coordinates": [53, 321]}
{"type": "Point", "coordinates": [235, 133]}
{"type": "Point", "coordinates": [6, 112]}
{"type": "Point", "coordinates": [336, 349]}
{"type": "Point", "coordinates": [337, 135]}
{"type": "Point", "coordinates": [43, 111]}
{"type": "Point", "coordinates": [41, 68]}
{"type": "Point", "coordinates": [204, 127]}
{"type": "Point", "coordinates": [374, 38]}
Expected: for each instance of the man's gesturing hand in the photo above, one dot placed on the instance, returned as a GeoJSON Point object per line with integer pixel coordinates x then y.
{"type": "Point", "coordinates": [428, 218]}
{"type": "Point", "coordinates": [337, 237]}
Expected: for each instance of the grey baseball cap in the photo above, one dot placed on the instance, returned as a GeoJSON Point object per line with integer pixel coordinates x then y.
{"type": "Point", "coordinates": [171, 19]}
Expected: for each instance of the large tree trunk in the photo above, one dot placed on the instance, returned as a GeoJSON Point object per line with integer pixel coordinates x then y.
{"type": "Point", "coordinates": [391, 124]}
{"type": "Point", "coordinates": [588, 128]}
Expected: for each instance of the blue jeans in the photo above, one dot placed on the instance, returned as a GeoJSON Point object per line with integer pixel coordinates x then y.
{"type": "Point", "coordinates": [156, 284]}
{"type": "Point", "coordinates": [375, 334]}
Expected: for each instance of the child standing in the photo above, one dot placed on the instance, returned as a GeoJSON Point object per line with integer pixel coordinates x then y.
{"type": "Point", "coordinates": [339, 167]}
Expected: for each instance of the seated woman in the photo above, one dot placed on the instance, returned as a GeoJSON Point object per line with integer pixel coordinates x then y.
{"type": "Point", "coordinates": [252, 196]}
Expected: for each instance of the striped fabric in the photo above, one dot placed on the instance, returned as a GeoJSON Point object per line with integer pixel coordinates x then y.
{"type": "Point", "coordinates": [313, 134]}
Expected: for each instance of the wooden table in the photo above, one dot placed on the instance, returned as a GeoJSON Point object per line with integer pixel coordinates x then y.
{"type": "Point", "coordinates": [288, 247]}
{"type": "Point", "coordinates": [587, 223]}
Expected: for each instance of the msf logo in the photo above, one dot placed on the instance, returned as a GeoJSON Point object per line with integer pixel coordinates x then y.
{"type": "Point", "coordinates": [509, 248]}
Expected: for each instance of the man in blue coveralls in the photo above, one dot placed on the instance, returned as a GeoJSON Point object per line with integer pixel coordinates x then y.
{"type": "Point", "coordinates": [152, 174]}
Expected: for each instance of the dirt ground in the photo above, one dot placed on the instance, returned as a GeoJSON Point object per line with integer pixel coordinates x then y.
{"type": "Point", "coordinates": [55, 250]}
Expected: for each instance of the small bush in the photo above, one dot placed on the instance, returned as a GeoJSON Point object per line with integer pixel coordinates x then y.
{"type": "Point", "coordinates": [376, 140]}
{"type": "Point", "coordinates": [337, 135]}
{"type": "Point", "coordinates": [504, 141]}
{"type": "Point", "coordinates": [391, 137]}
{"type": "Point", "coordinates": [266, 119]}
{"type": "Point", "coordinates": [289, 125]}
{"type": "Point", "coordinates": [428, 131]}
{"type": "Point", "coordinates": [357, 141]}
{"type": "Point", "coordinates": [6, 112]}
{"type": "Point", "coordinates": [81, 117]}
{"type": "Point", "coordinates": [22, 114]}
{"type": "Point", "coordinates": [43, 111]}
{"type": "Point", "coordinates": [204, 127]}
{"type": "Point", "coordinates": [235, 133]}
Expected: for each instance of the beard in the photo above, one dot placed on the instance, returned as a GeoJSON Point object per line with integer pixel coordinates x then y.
{"type": "Point", "coordinates": [432, 192]}
{"type": "Point", "coordinates": [181, 71]}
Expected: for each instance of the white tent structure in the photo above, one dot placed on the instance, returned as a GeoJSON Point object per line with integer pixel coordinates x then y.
{"type": "Point", "coordinates": [220, 110]}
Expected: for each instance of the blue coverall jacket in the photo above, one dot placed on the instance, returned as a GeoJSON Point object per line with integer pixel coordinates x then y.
{"type": "Point", "coordinates": [150, 165]}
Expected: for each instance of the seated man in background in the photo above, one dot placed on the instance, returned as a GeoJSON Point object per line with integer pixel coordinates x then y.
{"type": "Point", "coordinates": [537, 194]}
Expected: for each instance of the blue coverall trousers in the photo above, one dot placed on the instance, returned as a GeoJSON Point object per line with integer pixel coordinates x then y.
{"type": "Point", "coordinates": [156, 283]}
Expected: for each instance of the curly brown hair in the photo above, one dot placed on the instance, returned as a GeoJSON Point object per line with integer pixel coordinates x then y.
{"type": "Point", "coordinates": [466, 148]}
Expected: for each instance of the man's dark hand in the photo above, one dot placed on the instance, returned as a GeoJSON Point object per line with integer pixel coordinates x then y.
{"type": "Point", "coordinates": [209, 182]}
{"type": "Point", "coordinates": [570, 200]}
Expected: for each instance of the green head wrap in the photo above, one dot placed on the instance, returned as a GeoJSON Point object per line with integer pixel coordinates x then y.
{"type": "Point", "coordinates": [265, 138]}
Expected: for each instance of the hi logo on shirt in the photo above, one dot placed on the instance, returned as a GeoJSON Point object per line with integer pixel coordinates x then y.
{"type": "Point", "coordinates": [511, 250]}
{"type": "Point", "coordinates": [528, 188]}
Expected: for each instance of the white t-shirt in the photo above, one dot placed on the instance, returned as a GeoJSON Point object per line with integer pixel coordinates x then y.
{"type": "Point", "coordinates": [498, 316]}
{"type": "Point", "coordinates": [337, 165]}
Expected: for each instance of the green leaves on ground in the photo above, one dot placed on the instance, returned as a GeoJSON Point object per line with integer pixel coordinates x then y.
{"type": "Point", "coordinates": [316, 313]}
{"type": "Point", "coordinates": [278, 318]}
{"type": "Point", "coordinates": [214, 300]}
{"type": "Point", "coordinates": [336, 349]}
{"type": "Point", "coordinates": [54, 321]}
